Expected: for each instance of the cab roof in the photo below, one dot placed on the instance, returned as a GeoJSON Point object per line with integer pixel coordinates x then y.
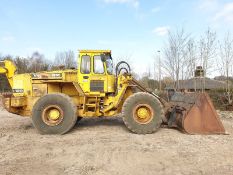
{"type": "Point", "coordinates": [94, 51]}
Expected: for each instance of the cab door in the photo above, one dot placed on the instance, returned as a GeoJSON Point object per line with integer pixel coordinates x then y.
{"type": "Point", "coordinates": [92, 75]}
{"type": "Point", "coordinates": [98, 79]}
{"type": "Point", "coordinates": [84, 72]}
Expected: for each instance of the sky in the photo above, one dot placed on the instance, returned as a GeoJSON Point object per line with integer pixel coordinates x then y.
{"type": "Point", "coordinates": [134, 29]}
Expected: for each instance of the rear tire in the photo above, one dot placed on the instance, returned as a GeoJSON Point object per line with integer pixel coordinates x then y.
{"type": "Point", "coordinates": [54, 114]}
{"type": "Point", "coordinates": [142, 113]}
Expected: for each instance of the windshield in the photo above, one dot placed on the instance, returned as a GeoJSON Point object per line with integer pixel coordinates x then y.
{"type": "Point", "coordinates": [98, 65]}
{"type": "Point", "coordinates": [109, 65]}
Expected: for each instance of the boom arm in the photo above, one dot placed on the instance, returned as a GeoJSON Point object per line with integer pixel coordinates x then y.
{"type": "Point", "coordinates": [8, 68]}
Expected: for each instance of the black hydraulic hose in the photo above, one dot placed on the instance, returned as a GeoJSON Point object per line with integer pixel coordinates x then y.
{"type": "Point", "coordinates": [118, 64]}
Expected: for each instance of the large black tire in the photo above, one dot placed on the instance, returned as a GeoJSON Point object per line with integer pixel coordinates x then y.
{"type": "Point", "coordinates": [147, 125]}
{"type": "Point", "coordinates": [64, 104]}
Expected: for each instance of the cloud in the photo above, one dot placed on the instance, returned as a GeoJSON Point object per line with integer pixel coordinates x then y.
{"type": "Point", "coordinates": [8, 39]}
{"type": "Point", "coordinates": [225, 13]}
{"type": "Point", "coordinates": [133, 3]}
{"type": "Point", "coordinates": [209, 5]}
{"type": "Point", "coordinates": [155, 9]}
{"type": "Point", "coordinates": [161, 31]}
{"type": "Point", "coordinates": [219, 12]}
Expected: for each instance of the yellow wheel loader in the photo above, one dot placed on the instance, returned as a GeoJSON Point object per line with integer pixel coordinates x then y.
{"type": "Point", "coordinates": [55, 100]}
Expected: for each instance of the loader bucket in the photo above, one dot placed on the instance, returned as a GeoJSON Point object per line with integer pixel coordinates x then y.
{"type": "Point", "coordinates": [194, 113]}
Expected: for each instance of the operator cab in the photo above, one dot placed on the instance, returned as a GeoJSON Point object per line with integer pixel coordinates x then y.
{"type": "Point", "coordinates": [95, 73]}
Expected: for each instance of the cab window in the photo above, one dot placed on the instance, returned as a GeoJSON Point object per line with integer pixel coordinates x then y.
{"type": "Point", "coordinates": [86, 64]}
{"type": "Point", "coordinates": [109, 66]}
{"type": "Point", "coordinates": [98, 65]}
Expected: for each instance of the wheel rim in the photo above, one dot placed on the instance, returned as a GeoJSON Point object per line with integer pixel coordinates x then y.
{"type": "Point", "coordinates": [143, 114]}
{"type": "Point", "coordinates": [52, 115]}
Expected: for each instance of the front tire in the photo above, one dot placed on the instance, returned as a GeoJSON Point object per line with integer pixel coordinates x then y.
{"type": "Point", "coordinates": [54, 114]}
{"type": "Point", "coordinates": [142, 113]}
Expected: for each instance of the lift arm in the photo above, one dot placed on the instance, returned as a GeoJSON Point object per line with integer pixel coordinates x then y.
{"type": "Point", "coordinates": [8, 68]}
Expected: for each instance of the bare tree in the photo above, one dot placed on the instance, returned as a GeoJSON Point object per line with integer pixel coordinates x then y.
{"type": "Point", "coordinates": [207, 50]}
{"type": "Point", "coordinates": [6, 57]}
{"type": "Point", "coordinates": [190, 60]}
{"type": "Point", "coordinates": [22, 65]}
{"type": "Point", "coordinates": [226, 62]}
{"type": "Point", "coordinates": [174, 55]}
{"type": "Point", "coordinates": [66, 59]}
{"type": "Point", "coordinates": [37, 62]}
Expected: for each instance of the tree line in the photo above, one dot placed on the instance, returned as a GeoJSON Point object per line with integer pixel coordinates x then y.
{"type": "Point", "coordinates": [37, 62]}
{"type": "Point", "coordinates": [182, 53]}
{"type": "Point", "coordinates": [179, 57]}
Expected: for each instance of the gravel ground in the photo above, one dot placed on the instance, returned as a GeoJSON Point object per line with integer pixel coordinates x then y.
{"type": "Point", "coordinates": [105, 146]}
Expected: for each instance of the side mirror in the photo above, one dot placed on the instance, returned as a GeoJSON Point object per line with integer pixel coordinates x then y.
{"type": "Point", "coordinates": [103, 57]}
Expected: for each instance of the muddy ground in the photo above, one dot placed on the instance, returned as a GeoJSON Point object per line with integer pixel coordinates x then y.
{"type": "Point", "coordinates": [105, 146]}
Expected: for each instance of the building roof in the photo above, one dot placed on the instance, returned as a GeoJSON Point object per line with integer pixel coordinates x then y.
{"type": "Point", "coordinates": [198, 83]}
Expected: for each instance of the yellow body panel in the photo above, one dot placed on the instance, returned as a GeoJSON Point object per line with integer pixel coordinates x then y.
{"type": "Point", "coordinates": [106, 99]}
{"type": "Point", "coordinates": [22, 85]}
{"type": "Point", "coordinates": [18, 102]}
{"type": "Point", "coordinates": [111, 83]}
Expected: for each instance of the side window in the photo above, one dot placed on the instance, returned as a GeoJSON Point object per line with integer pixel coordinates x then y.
{"type": "Point", "coordinates": [98, 65]}
{"type": "Point", "coordinates": [86, 64]}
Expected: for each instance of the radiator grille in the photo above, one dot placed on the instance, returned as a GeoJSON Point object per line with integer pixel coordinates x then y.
{"type": "Point", "coordinates": [97, 86]}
